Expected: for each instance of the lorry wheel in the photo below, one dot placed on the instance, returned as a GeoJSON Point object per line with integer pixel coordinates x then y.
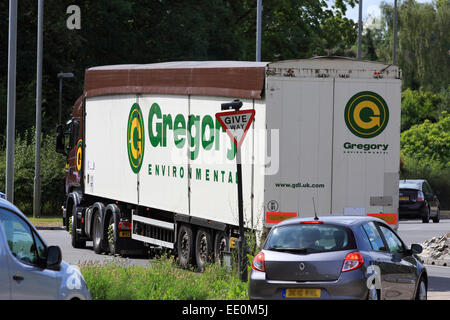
{"type": "Point", "coordinates": [97, 234]}
{"type": "Point", "coordinates": [185, 246]}
{"type": "Point", "coordinates": [203, 248]}
{"type": "Point", "coordinates": [76, 242]}
{"type": "Point", "coordinates": [221, 244]}
{"type": "Point", "coordinates": [111, 233]}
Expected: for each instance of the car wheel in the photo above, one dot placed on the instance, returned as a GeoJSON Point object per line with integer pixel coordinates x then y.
{"type": "Point", "coordinates": [426, 218]}
{"type": "Point", "coordinates": [97, 234]}
{"type": "Point", "coordinates": [203, 248]}
{"type": "Point", "coordinates": [76, 242]}
{"type": "Point", "coordinates": [221, 244]}
{"type": "Point", "coordinates": [438, 216]}
{"type": "Point", "coordinates": [185, 246]}
{"type": "Point", "coordinates": [421, 290]}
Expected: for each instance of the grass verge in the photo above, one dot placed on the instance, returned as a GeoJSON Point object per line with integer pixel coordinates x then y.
{"type": "Point", "coordinates": [163, 280]}
{"type": "Point", "coordinates": [46, 221]}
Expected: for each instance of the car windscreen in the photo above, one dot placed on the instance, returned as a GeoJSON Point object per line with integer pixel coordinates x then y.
{"type": "Point", "coordinates": [310, 238]}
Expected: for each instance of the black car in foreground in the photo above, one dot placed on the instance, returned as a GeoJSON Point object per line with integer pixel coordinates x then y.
{"type": "Point", "coordinates": [418, 201]}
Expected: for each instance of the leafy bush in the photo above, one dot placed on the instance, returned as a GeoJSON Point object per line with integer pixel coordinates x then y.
{"type": "Point", "coordinates": [426, 155]}
{"type": "Point", "coordinates": [52, 173]}
{"type": "Point", "coordinates": [418, 106]}
{"type": "Point", "coordinates": [428, 142]}
{"type": "Point", "coordinates": [162, 280]}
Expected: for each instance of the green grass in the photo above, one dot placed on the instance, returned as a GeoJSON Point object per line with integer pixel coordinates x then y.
{"type": "Point", "coordinates": [163, 280]}
{"type": "Point", "coordinates": [46, 221]}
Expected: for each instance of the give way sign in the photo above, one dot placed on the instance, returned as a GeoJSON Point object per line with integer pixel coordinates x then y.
{"type": "Point", "coordinates": [236, 124]}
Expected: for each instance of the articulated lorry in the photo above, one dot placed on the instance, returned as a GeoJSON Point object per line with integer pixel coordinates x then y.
{"type": "Point", "coordinates": [149, 165]}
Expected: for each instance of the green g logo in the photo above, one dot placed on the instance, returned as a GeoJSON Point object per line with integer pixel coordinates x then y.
{"type": "Point", "coordinates": [366, 114]}
{"type": "Point", "coordinates": [135, 138]}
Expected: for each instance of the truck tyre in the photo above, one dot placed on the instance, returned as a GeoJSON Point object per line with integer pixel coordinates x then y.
{"type": "Point", "coordinates": [185, 246]}
{"type": "Point", "coordinates": [111, 234]}
{"type": "Point", "coordinates": [76, 242]}
{"type": "Point", "coordinates": [97, 238]}
{"type": "Point", "coordinates": [221, 244]}
{"type": "Point", "coordinates": [203, 248]}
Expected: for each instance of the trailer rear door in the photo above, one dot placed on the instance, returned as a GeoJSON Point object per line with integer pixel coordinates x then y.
{"type": "Point", "coordinates": [366, 147]}
{"type": "Point", "coordinates": [300, 130]}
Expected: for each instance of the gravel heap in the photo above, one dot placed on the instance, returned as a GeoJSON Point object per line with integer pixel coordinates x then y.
{"type": "Point", "coordinates": [437, 247]}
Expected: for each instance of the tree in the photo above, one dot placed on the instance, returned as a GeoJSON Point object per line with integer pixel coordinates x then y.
{"type": "Point", "coordinates": [423, 42]}
{"type": "Point", "coordinates": [425, 154]}
{"type": "Point", "coordinates": [418, 106]}
{"type": "Point", "coordinates": [428, 141]}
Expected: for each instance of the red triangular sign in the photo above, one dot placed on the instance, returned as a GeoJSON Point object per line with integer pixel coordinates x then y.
{"type": "Point", "coordinates": [236, 124]}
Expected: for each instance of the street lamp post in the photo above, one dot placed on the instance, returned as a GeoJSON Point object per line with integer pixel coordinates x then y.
{"type": "Point", "coordinates": [61, 76]}
{"type": "Point", "coordinates": [11, 113]}
{"type": "Point", "coordinates": [360, 29]}
{"type": "Point", "coordinates": [258, 30]}
{"type": "Point", "coordinates": [395, 34]}
{"type": "Point", "coordinates": [37, 162]}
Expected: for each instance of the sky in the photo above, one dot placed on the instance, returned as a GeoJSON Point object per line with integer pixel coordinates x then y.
{"type": "Point", "coordinates": [371, 7]}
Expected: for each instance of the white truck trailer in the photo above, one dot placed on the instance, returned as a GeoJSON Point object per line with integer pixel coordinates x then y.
{"type": "Point", "coordinates": [148, 163]}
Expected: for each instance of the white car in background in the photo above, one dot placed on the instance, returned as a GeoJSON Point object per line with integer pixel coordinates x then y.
{"type": "Point", "coordinates": [29, 268]}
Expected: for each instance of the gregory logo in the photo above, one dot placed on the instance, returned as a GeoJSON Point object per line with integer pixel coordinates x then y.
{"type": "Point", "coordinates": [79, 157]}
{"type": "Point", "coordinates": [135, 138]}
{"type": "Point", "coordinates": [366, 114]}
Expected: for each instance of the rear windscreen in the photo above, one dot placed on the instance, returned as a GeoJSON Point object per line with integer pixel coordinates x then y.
{"type": "Point", "coordinates": [311, 238]}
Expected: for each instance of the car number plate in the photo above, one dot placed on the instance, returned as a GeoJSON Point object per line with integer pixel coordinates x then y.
{"type": "Point", "coordinates": [404, 198]}
{"type": "Point", "coordinates": [301, 293]}
{"type": "Point", "coordinates": [125, 234]}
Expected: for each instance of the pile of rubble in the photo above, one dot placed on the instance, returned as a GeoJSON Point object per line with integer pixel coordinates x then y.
{"type": "Point", "coordinates": [437, 247]}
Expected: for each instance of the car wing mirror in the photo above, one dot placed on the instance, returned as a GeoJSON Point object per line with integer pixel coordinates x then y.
{"type": "Point", "coordinates": [60, 141]}
{"type": "Point", "coordinates": [416, 248]}
{"type": "Point", "coordinates": [54, 257]}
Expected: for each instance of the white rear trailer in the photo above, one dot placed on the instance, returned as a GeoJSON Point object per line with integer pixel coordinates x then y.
{"type": "Point", "coordinates": [326, 133]}
{"type": "Point", "coordinates": [339, 133]}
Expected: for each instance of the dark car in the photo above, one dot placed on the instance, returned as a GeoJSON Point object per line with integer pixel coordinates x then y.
{"type": "Point", "coordinates": [339, 257]}
{"type": "Point", "coordinates": [418, 201]}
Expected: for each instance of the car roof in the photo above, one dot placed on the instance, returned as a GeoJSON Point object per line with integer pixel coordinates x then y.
{"type": "Point", "coordinates": [338, 220]}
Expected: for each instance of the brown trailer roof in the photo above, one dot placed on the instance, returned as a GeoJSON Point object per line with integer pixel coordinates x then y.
{"type": "Point", "coordinates": [212, 78]}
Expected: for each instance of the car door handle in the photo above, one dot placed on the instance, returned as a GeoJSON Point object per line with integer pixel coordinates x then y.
{"type": "Point", "coordinates": [18, 278]}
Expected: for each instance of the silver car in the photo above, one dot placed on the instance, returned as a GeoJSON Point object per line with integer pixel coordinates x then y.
{"type": "Point", "coordinates": [29, 269]}
{"type": "Point", "coordinates": [337, 258]}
